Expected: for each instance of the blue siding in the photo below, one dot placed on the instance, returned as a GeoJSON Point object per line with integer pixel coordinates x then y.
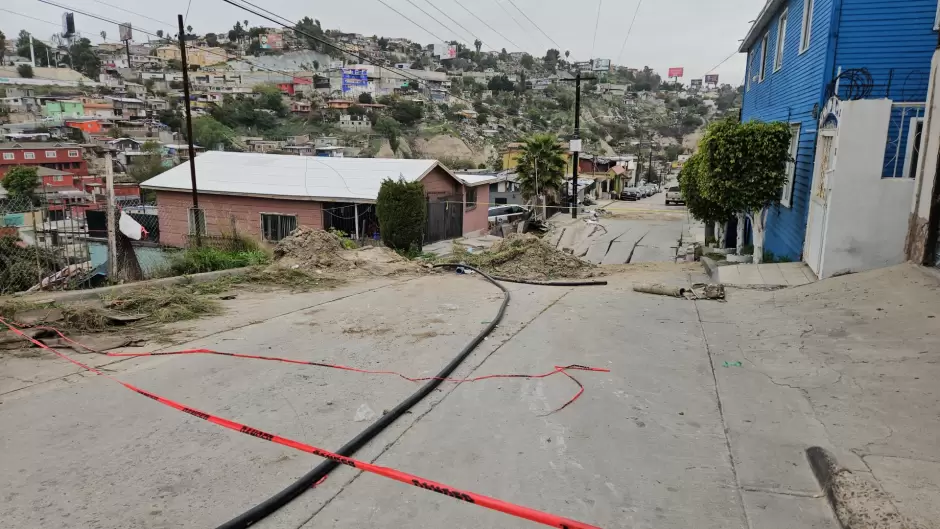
{"type": "Point", "coordinates": [790, 95]}
{"type": "Point", "coordinates": [893, 39]}
{"type": "Point", "coordinates": [895, 42]}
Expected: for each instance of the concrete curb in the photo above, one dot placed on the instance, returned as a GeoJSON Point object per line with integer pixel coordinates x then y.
{"type": "Point", "coordinates": [824, 467]}
{"type": "Point", "coordinates": [711, 267]}
{"type": "Point", "coordinates": [93, 293]}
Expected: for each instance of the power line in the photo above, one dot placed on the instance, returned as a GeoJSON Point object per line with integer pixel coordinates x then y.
{"type": "Point", "coordinates": [597, 21]}
{"type": "Point", "coordinates": [629, 30]}
{"type": "Point", "coordinates": [507, 39]}
{"type": "Point", "coordinates": [403, 73]}
{"type": "Point", "coordinates": [133, 13]}
{"type": "Point", "coordinates": [501, 6]}
{"type": "Point", "coordinates": [445, 26]}
{"type": "Point", "coordinates": [728, 58]}
{"type": "Point", "coordinates": [144, 31]}
{"type": "Point", "coordinates": [412, 21]}
{"type": "Point", "coordinates": [557, 46]}
{"type": "Point", "coordinates": [458, 23]}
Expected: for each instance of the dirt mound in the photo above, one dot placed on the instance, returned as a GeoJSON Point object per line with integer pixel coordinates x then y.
{"type": "Point", "coordinates": [528, 257]}
{"type": "Point", "coordinates": [309, 248]}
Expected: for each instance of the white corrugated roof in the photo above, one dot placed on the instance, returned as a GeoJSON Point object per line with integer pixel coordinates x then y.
{"type": "Point", "coordinates": [477, 179]}
{"type": "Point", "coordinates": [287, 176]}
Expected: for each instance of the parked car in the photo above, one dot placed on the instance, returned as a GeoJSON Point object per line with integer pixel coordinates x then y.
{"type": "Point", "coordinates": [499, 214]}
{"type": "Point", "coordinates": [646, 191]}
{"type": "Point", "coordinates": [674, 196]}
{"type": "Point", "coordinates": [630, 193]}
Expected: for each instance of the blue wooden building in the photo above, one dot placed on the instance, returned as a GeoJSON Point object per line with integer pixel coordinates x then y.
{"type": "Point", "coordinates": [802, 52]}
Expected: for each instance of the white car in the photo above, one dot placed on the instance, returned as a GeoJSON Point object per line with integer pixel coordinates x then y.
{"type": "Point", "coordinates": [674, 196]}
{"type": "Point", "coordinates": [507, 213]}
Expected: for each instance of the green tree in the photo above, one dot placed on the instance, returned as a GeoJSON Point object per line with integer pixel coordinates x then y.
{"type": "Point", "coordinates": [500, 83]}
{"type": "Point", "coordinates": [312, 33]}
{"type": "Point", "coordinates": [22, 48]}
{"type": "Point", "coordinates": [503, 55]}
{"type": "Point", "coordinates": [21, 182]}
{"type": "Point", "coordinates": [209, 133]}
{"type": "Point", "coordinates": [477, 44]}
{"type": "Point", "coordinates": [407, 112]}
{"type": "Point", "coordinates": [159, 33]}
{"type": "Point", "coordinates": [237, 32]}
{"type": "Point", "coordinates": [25, 71]}
{"type": "Point", "coordinates": [402, 210]}
{"type": "Point", "coordinates": [743, 168]}
{"type": "Point", "coordinates": [84, 59]}
{"type": "Point", "coordinates": [541, 166]}
{"type": "Point", "coordinates": [356, 110]}
{"type": "Point", "coordinates": [149, 166]}
{"type": "Point", "coordinates": [383, 43]}
{"type": "Point", "coordinates": [269, 97]}
{"type": "Point", "coordinates": [3, 46]}
{"type": "Point", "coordinates": [551, 59]}
{"type": "Point", "coordinates": [365, 98]}
{"type": "Point", "coordinates": [212, 39]}
{"type": "Point", "coordinates": [527, 61]}
{"type": "Point", "coordinates": [390, 128]}
{"type": "Point", "coordinates": [699, 206]}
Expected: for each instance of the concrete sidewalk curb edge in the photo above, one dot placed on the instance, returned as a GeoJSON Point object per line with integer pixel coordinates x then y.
{"type": "Point", "coordinates": [711, 267]}
{"type": "Point", "coordinates": [78, 295]}
{"type": "Point", "coordinates": [824, 466]}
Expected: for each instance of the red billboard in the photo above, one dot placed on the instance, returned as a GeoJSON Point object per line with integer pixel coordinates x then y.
{"type": "Point", "coordinates": [676, 72]}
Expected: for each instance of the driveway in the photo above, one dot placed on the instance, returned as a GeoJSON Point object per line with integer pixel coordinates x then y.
{"type": "Point", "coordinates": [641, 231]}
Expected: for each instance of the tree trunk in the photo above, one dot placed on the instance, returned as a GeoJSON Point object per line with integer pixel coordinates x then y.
{"type": "Point", "coordinates": [742, 219]}
{"type": "Point", "coordinates": [709, 231]}
{"type": "Point", "coordinates": [722, 235]}
{"type": "Point", "coordinates": [757, 223]}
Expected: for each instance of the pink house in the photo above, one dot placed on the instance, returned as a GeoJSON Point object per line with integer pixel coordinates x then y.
{"type": "Point", "coordinates": [268, 195]}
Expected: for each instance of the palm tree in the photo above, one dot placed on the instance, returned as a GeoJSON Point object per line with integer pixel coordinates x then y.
{"type": "Point", "coordinates": [159, 33]}
{"type": "Point", "coordinates": [541, 167]}
{"type": "Point", "coordinates": [478, 44]}
{"type": "Point", "coordinates": [104, 36]}
{"type": "Point", "coordinates": [189, 29]}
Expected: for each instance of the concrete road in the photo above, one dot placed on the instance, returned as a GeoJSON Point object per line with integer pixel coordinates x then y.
{"type": "Point", "coordinates": [669, 438]}
{"type": "Point", "coordinates": [642, 231]}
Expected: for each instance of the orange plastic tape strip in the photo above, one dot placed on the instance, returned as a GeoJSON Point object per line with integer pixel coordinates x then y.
{"type": "Point", "coordinates": [410, 479]}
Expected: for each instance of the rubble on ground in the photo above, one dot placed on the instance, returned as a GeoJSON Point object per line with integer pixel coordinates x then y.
{"type": "Point", "coordinates": [528, 257]}
{"type": "Point", "coordinates": [318, 250]}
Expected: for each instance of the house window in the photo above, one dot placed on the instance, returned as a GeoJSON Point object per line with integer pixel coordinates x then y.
{"type": "Point", "coordinates": [73, 154]}
{"type": "Point", "coordinates": [807, 34]}
{"type": "Point", "coordinates": [471, 198]}
{"type": "Point", "coordinates": [50, 154]}
{"type": "Point", "coordinates": [8, 155]}
{"type": "Point", "coordinates": [787, 195]}
{"type": "Point", "coordinates": [494, 188]}
{"type": "Point", "coordinates": [57, 178]}
{"type": "Point", "coordinates": [763, 55]}
{"type": "Point", "coordinates": [275, 227]}
{"type": "Point", "coordinates": [781, 40]}
{"type": "Point", "coordinates": [28, 155]}
{"type": "Point", "coordinates": [197, 221]}
{"type": "Point", "coordinates": [750, 69]}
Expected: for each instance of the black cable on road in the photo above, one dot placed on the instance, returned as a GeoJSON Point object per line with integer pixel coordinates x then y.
{"type": "Point", "coordinates": [297, 488]}
{"type": "Point", "coordinates": [579, 283]}
{"type": "Point", "coordinates": [282, 498]}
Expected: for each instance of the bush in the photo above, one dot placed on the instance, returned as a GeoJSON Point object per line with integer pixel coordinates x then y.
{"type": "Point", "coordinates": [208, 259]}
{"type": "Point", "coordinates": [401, 208]}
{"type": "Point", "coordinates": [25, 71]}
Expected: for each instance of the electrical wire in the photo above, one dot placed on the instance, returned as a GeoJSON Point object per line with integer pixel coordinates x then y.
{"type": "Point", "coordinates": [141, 15]}
{"type": "Point", "coordinates": [629, 30]}
{"type": "Point", "coordinates": [474, 15]}
{"type": "Point", "coordinates": [412, 21]}
{"type": "Point", "coordinates": [521, 27]}
{"type": "Point", "coordinates": [728, 58]}
{"type": "Point", "coordinates": [461, 26]}
{"type": "Point", "coordinates": [597, 22]}
{"type": "Point", "coordinates": [534, 24]}
{"type": "Point", "coordinates": [429, 15]}
{"type": "Point", "coordinates": [403, 73]}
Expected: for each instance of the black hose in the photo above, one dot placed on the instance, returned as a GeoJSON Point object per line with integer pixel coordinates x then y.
{"type": "Point", "coordinates": [282, 498]}
{"type": "Point", "coordinates": [579, 283]}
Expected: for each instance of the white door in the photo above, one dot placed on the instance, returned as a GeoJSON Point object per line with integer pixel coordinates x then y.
{"type": "Point", "coordinates": [819, 199]}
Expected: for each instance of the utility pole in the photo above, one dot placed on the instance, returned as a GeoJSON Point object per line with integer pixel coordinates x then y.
{"type": "Point", "coordinates": [32, 51]}
{"type": "Point", "coordinates": [112, 230]}
{"type": "Point", "coordinates": [576, 144]}
{"type": "Point", "coordinates": [197, 218]}
{"type": "Point", "coordinates": [127, 48]}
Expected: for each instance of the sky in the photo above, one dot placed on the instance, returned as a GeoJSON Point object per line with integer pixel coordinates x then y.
{"type": "Point", "coordinates": [694, 34]}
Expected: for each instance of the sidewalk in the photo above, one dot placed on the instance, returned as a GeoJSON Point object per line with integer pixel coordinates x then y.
{"type": "Point", "coordinates": [850, 364]}
{"type": "Point", "coordinates": [768, 274]}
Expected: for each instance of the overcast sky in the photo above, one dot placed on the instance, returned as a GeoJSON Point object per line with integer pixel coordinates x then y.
{"type": "Point", "coordinates": [695, 34]}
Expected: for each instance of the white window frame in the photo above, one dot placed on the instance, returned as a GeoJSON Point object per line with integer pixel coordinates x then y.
{"type": "Point", "coordinates": [57, 178]}
{"type": "Point", "coordinates": [73, 154]}
{"type": "Point", "coordinates": [9, 156]}
{"type": "Point", "coordinates": [782, 23]}
{"type": "Point", "coordinates": [29, 155]}
{"type": "Point", "coordinates": [191, 221]}
{"type": "Point", "coordinates": [764, 44]}
{"type": "Point", "coordinates": [936, 20]}
{"type": "Point", "coordinates": [806, 35]}
{"type": "Point", "coordinates": [786, 198]}
{"type": "Point", "coordinates": [51, 154]}
{"type": "Point", "coordinates": [749, 68]}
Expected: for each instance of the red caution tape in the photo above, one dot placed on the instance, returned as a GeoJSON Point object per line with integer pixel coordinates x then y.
{"type": "Point", "coordinates": [558, 369]}
{"type": "Point", "coordinates": [467, 496]}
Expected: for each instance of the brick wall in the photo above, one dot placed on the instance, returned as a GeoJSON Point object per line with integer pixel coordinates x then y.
{"type": "Point", "coordinates": [221, 209]}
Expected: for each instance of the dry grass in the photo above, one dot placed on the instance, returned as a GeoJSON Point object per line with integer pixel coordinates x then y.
{"type": "Point", "coordinates": [164, 304]}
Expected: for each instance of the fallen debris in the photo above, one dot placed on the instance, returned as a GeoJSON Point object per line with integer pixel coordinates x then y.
{"type": "Point", "coordinates": [309, 248]}
{"type": "Point", "coordinates": [527, 257]}
{"type": "Point", "coordinates": [659, 289]}
{"type": "Point", "coordinates": [698, 290]}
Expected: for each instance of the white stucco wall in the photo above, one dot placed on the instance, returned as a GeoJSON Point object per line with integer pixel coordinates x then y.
{"type": "Point", "coordinates": [867, 217]}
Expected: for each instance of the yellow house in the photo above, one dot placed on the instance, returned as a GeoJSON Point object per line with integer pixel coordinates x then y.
{"type": "Point", "coordinates": [513, 152]}
{"type": "Point", "coordinates": [194, 56]}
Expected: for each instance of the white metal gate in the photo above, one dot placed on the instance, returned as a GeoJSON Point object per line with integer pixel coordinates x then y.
{"type": "Point", "coordinates": [819, 198]}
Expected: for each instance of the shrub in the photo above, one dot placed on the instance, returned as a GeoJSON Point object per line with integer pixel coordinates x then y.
{"type": "Point", "coordinates": [401, 209]}
{"type": "Point", "coordinates": [208, 259]}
